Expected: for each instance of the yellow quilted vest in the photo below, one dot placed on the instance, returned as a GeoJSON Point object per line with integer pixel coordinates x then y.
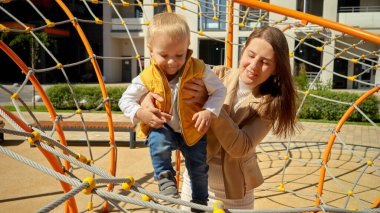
{"type": "Point", "coordinates": [155, 80]}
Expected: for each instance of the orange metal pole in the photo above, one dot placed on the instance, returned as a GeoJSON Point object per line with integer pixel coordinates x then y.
{"type": "Point", "coordinates": [230, 21]}
{"type": "Point", "coordinates": [50, 157]}
{"type": "Point", "coordinates": [47, 103]}
{"type": "Point", "coordinates": [168, 7]}
{"type": "Point", "coordinates": [333, 136]}
{"type": "Point", "coordinates": [313, 19]}
{"type": "Point", "coordinates": [102, 87]}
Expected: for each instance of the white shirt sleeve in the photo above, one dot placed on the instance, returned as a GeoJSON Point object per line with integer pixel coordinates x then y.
{"type": "Point", "coordinates": [216, 91]}
{"type": "Point", "coordinates": [128, 102]}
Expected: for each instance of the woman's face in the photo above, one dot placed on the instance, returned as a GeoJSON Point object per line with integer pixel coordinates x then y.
{"type": "Point", "coordinates": [257, 63]}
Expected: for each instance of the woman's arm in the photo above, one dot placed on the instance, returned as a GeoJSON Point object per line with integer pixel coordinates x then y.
{"type": "Point", "coordinates": [236, 141]}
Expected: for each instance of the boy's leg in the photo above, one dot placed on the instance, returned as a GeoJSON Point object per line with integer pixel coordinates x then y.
{"type": "Point", "coordinates": [195, 160]}
{"type": "Point", "coordinates": [161, 143]}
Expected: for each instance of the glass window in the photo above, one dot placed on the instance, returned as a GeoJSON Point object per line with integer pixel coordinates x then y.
{"type": "Point", "coordinates": [208, 14]}
{"type": "Point", "coordinates": [251, 18]}
{"type": "Point", "coordinates": [162, 6]}
{"type": "Point", "coordinates": [314, 7]}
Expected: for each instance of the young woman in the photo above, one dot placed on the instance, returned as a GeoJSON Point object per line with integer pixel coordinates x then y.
{"type": "Point", "coordinates": [260, 97]}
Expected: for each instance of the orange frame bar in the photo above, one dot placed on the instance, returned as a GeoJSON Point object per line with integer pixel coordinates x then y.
{"type": "Point", "coordinates": [313, 19]}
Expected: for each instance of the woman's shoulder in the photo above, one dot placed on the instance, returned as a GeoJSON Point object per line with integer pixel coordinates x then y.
{"type": "Point", "coordinates": [221, 71]}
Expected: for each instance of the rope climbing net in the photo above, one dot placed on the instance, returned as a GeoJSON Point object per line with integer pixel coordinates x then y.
{"type": "Point", "coordinates": [333, 173]}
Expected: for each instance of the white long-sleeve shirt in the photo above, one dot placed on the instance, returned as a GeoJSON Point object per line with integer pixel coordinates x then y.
{"type": "Point", "coordinates": [129, 105]}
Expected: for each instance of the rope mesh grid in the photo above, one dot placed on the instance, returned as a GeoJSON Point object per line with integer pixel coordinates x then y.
{"type": "Point", "coordinates": [286, 154]}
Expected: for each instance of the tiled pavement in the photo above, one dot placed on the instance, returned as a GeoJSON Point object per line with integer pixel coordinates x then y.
{"type": "Point", "coordinates": [23, 189]}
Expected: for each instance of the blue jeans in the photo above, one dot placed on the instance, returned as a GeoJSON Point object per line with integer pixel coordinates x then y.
{"type": "Point", "coordinates": [163, 141]}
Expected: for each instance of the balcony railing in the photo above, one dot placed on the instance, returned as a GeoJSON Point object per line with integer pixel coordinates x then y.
{"type": "Point", "coordinates": [133, 24]}
{"type": "Point", "coordinates": [359, 9]}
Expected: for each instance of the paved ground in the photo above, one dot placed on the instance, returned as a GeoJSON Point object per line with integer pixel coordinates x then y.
{"type": "Point", "coordinates": [24, 189]}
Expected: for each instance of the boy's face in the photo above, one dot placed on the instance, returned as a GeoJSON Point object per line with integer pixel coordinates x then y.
{"type": "Point", "coordinates": [170, 54]}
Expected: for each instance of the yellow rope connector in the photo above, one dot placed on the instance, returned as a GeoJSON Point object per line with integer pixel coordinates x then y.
{"type": "Point", "coordinates": [147, 23]}
{"type": "Point", "coordinates": [127, 186]}
{"type": "Point", "coordinates": [27, 29]}
{"type": "Point", "coordinates": [36, 137]}
{"type": "Point", "coordinates": [79, 111]}
{"type": "Point", "coordinates": [241, 25]}
{"type": "Point", "coordinates": [4, 28]}
{"type": "Point", "coordinates": [215, 18]}
{"type": "Point", "coordinates": [218, 207]}
{"type": "Point", "coordinates": [320, 49]}
{"type": "Point", "coordinates": [15, 96]}
{"type": "Point", "coordinates": [286, 157]}
{"type": "Point", "coordinates": [327, 42]}
{"type": "Point", "coordinates": [200, 13]}
{"type": "Point", "coordinates": [140, 4]}
{"type": "Point", "coordinates": [200, 32]}
{"type": "Point", "coordinates": [353, 45]}
{"type": "Point", "coordinates": [369, 163]}
{"type": "Point", "coordinates": [350, 193]}
{"type": "Point", "coordinates": [373, 52]}
{"type": "Point", "coordinates": [137, 56]}
{"type": "Point", "coordinates": [281, 187]}
{"type": "Point", "coordinates": [110, 2]}
{"type": "Point", "coordinates": [146, 198]}
{"type": "Point", "coordinates": [323, 67]}
{"type": "Point", "coordinates": [354, 60]}
{"type": "Point", "coordinates": [49, 23]}
{"type": "Point", "coordinates": [375, 67]}
{"type": "Point", "coordinates": [309, 35]}
{"type": "Point", "coordinates": [362, 56]}
{"type": "Point", "coordinates": [335, 38]}
{"type": "Point", "coordinates": [90, 206]}
{"type": "Point", "coordinates": [317, 31]}
{"type": "Point", "coordinates": [83, 159]}
{"type": "Point", "coordinates": [126, 4]}
{"type": "Point", "coordinates": [302, 40]}
{"type": "Point", "coordinates": [291, 54]}
{"type": "Point", "coordinates": [59, 66]}
{"type": "Point", "coordinates": [337, 55]}
{"type": "Point", "coordinates": [307, 92]}
{"type": "Point", "coordinates": [345, 50]}
{"type": "Point", "coordinates": [98, 21]}
{"type": "Point", "coordinates": [122, 22]}
{"type": "Point", "coordinates": [91, 182]}
{"type": "Point", "coordinates": [95, 1]}
{"type": "Point", "coordinates": [352, 77]}
{"type": "Point", "coordinates": [183, 7]}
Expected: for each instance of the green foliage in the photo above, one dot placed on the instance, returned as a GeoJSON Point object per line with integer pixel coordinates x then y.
{"type": "Point", "coordinates": [301, 80]}
{"type": "Point", "coordinates": [315, 108]}
{"type": "Point", "coordinates": [88, 97]}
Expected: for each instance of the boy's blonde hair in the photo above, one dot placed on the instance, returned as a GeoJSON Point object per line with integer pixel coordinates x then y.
{"type": "Point", "coordinates": [172, 24]}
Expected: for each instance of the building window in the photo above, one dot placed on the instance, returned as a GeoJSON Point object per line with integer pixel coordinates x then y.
{"type": "Point", "coordinates": [242, 41]}
{"type": "Point", "coordinates": [251, 18]}
{"type": "Point", "coordinates": [314, 7]}
{"type": "Point", "coordinates": [311, 55]}
{"type": "Point", "coordinates": [208, 14]}
{"type": "Point", "coordinates": [162, 6]}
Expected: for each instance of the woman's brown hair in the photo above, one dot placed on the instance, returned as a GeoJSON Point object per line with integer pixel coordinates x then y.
{"type": "Point", "coordinates": [279, 91]}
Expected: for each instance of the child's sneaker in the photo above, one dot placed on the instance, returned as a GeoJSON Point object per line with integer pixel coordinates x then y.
{"type": "Point", "coordinates": [167, 184]}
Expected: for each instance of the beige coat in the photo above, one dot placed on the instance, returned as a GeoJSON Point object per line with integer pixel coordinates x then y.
{"type": "Point", "coordinates": [235, 135]}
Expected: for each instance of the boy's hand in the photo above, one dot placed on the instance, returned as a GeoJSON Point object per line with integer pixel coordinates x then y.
{"type": "Point", "coordinates": [152, 117]}
{"type": "Point", "coordinates": [203, 120]}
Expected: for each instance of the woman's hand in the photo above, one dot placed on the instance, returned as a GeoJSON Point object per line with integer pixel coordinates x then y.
{"type": "Point", "coordinates": [149, 113]}
{"type": "Point", "coordinates": [197, 89]}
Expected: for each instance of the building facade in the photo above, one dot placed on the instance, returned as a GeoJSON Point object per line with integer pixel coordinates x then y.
{"type": "Point", "coordinates": [359, 13]}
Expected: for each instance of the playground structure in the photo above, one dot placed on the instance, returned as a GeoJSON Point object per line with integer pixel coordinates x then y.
{"type": "Point", "coordinates": [362, 193]}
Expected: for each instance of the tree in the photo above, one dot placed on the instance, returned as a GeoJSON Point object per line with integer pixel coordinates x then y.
{"type": "Point", "coordinates": [28, 42]}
